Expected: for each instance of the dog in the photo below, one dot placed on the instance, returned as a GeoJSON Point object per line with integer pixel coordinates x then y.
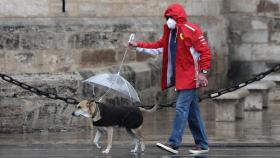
{"type": "Point", "coordinates": [105, 117]}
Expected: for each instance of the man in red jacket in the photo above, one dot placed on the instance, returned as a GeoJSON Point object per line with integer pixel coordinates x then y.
{"type": "Point", "coordinates": [186, 61]}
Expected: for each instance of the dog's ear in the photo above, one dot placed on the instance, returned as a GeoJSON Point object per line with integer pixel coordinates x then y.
{"type": "Point", "coordinates": [81, 104]}
{"type": "Point", "coordinates": [91, 106]}
{"type": "Point", "coordinates": [90, 101]}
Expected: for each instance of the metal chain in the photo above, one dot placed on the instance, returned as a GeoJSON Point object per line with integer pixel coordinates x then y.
{"type": "Point", "coordinates": [37, 91]}
{"type": "Point", "coordinates": [210, 95]}
{"type": "Point", "coordinates": [232, 88]}
{"type": "Point", "coordinates": [240, 85]}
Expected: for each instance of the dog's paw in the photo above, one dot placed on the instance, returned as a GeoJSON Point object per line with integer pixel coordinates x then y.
{"type": "Point", "coordinates": [143, 147]}
{"type": "Point", "coordinates": [97, 145]}
{"type": "Point", "coordinates": [105, 151]}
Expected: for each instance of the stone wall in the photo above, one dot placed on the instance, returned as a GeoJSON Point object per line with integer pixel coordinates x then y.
{"type": "Point", "coordinates": [39, 43]}
{"type": "Point", "coordinates": [23, 111]}
{"type": "Point", "coordinates": [68, 44]}
{"type": "Point", "coordinates": [254, 36]}
{"type": "Point", "coordinates": [39, 37]}
{"type": "Point", "coordinates": [36, 36]}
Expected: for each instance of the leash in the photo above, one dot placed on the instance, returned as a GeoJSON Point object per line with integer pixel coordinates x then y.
{"type": "Point", "coordinates": [131, 37]}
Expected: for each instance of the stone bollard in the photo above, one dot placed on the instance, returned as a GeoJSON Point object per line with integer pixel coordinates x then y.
{"type": "Point", "coordinates": [274, 94]}
{"type": "Point", "coordinates": [258, 98]}
{"type": "Point", "coordinates": [230, 106]}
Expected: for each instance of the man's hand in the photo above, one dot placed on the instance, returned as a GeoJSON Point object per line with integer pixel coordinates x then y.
{"type": "Point", "coordinates": [202, 80]}
{"type": "Point", "coordinates": [132, 44]}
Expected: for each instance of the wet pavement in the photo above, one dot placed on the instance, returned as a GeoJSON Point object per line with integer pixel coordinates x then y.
{"type": "Point", "coordinates": [257, 135]}
{"type": "Point", "coordinates": [122, 151]}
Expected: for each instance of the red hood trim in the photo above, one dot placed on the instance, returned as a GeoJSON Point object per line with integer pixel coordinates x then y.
{"type": "Point", "coordinates": [177, 12]}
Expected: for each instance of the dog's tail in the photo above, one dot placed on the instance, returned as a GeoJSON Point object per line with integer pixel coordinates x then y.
{"type": "Point", "coordinates": [153, 109]}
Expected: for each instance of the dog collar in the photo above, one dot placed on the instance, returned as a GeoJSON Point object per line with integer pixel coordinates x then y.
{"type": "Point", "coordinates": [95, 112]}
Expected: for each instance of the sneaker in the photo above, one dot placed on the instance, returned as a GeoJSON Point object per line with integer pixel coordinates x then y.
{"type": "Point", "coordinates": [199, 150]}
{"type": "Point", "coordinates": [168, 148]}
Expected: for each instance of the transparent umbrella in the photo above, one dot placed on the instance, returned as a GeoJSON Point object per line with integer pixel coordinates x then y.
{"type": "Point", "coordinates": [115, 83]}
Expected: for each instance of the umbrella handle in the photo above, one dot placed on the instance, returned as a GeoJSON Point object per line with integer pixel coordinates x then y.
{"type": "Point", "coordinates": [131, 38]}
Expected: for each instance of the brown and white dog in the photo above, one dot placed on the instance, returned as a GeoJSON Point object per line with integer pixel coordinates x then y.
{"type": "Point", "coordinates": [104, 117]}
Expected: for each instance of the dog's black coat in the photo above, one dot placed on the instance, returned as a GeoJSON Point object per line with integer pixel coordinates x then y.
{"type": "Point", "coordinates": [125, 116]}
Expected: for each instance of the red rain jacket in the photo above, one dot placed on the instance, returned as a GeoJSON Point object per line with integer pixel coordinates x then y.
{"type": "Point", "coordinates": [193, 53]}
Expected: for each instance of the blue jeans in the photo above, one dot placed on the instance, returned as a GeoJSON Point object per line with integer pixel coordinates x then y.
{"type": "Point", "coordinates": [187, 111]}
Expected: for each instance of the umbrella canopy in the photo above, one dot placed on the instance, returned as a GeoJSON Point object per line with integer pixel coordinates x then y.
{"type": "Point", "coordinates": [116, 83]}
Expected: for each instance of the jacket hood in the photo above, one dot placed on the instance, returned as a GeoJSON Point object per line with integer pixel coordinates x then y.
{"type": "Point", "coordinates": [177, 12]}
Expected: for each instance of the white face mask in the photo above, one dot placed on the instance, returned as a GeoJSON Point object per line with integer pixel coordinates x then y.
{"type": "Point", "coordinates": [171, 23]}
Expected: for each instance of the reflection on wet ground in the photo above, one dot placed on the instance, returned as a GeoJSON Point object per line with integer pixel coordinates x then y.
{"type": "Point", "coordinates": [87, 151]}
{"type": "Point", "coordinates": [257, 135]}
{"type": "Point", "coordinates": [257, 127]}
